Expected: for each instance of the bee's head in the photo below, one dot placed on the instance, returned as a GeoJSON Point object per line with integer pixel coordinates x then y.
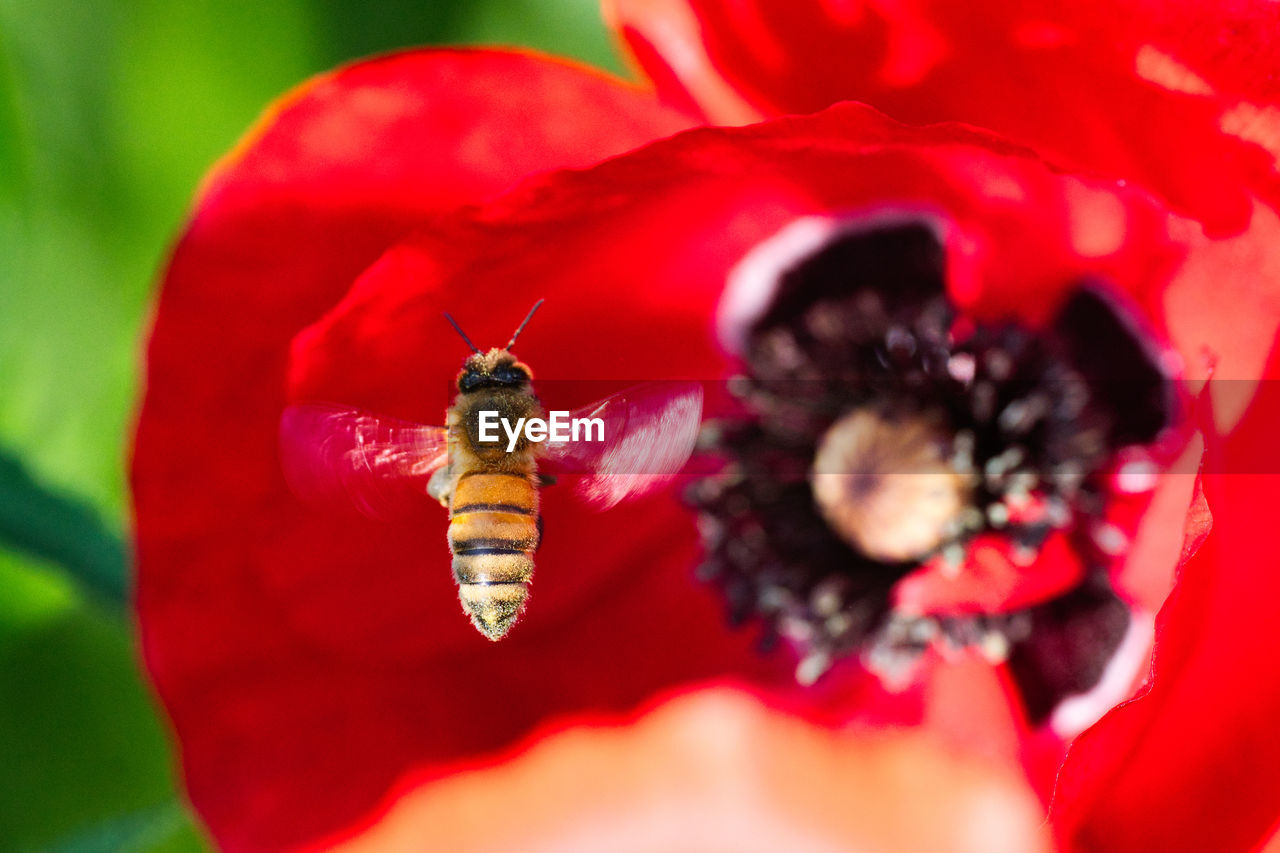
{"type": "Point", "coordinates": [496, 368]}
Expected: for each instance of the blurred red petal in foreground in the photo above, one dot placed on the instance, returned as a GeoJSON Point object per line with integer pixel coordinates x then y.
{"type": "Point", "coordinates": [716, 770]}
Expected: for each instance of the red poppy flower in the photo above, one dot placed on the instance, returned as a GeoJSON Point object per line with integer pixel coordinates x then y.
{"type": "Point", "coordinates": [315, 670]}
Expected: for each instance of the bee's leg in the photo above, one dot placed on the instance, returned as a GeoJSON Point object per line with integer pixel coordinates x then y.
{"type": "Point", "coordinates": [440, 486]}
{"type": "Point", "coordinates": [545, 480]}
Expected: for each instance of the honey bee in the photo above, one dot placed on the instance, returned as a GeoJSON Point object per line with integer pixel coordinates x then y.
{"type": "Point", "coordinates": [489, 478]}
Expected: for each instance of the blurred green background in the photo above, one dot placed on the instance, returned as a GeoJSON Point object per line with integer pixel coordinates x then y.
{"type": "Point", "coordinates": [110, 112]}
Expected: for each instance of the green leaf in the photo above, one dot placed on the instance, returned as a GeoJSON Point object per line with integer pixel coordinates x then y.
{"type": "Point", "coordinates": [80, 742]}
{"type": "Point", "coordinates": [60, 531]}
{"type": "Point", "coordinates": [161, 827]}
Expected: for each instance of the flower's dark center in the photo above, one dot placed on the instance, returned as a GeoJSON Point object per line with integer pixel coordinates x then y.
{"type": "Point", "coordinates": [881, 431]}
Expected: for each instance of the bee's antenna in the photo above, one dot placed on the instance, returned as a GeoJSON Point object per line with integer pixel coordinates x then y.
{"type": "Point", "coordinates": [458, 329]}
{"type": "Point", "coordinates": [535, 307]}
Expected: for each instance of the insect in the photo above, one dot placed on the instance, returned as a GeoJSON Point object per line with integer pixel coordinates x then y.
{"type": "Point", "coordinates": [489, 478]}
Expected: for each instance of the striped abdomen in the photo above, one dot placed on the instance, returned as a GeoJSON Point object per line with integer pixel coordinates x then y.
{"type": "Point", "coordinates": [493, 532]}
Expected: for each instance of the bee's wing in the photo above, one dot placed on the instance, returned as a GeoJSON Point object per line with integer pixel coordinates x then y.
{"type": "Point", "coordinates": [649, 433]}
{"type": "Point", "coordinates": [335, 457]}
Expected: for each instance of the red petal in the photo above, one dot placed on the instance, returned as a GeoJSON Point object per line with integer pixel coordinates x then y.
{"type": "Point", "coordinates": [991, 580]}
{"type": "Point", "coordinates": [1169, 95]}
{"type": "Point", "coordinates": [1222, 308]}
{"type": "Point", "coordinates": [339, 170]}
{"type": "Point", "coordinates": [1202, 740]}
{"type": "Point", "coordinates": [1149, 517]}
{"type": "Point", "coordinates": [1272, 844]}
{"type": "Point", "coordinates": [716, 771]}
